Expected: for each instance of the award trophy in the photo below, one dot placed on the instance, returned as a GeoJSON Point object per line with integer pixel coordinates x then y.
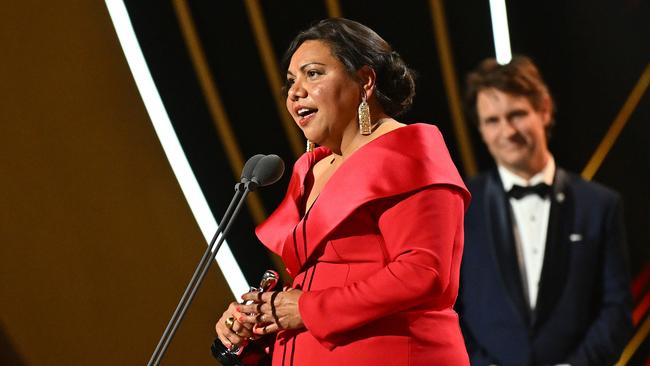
{"type": "Point", "coordinates": [228, 357]}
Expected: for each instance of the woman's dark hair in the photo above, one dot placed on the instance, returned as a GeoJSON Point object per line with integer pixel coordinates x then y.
{"type": "Point", "coordinates": [518, 77]}
{"type": "Point", "coordinates": [356, 45]}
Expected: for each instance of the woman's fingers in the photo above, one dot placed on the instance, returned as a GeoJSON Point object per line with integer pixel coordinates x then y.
{"type": "Point", "coordinates": [273, 310]}
{"type": "Point", "coordinates": [235, 335]}
{"type": "Point", "coordinates": [266, 312]}
{"type": "Point", "coordinates": [252, 319]}
{"type": "Point", "coordinates": [233, 338]}
{"type": "Point", "coordinates": [230, 328]}
{"type": "Point", "coordinates": [221, 323]}
{"type": "Point", "coordinates": [257, 297]}
{"type": "Point", "coordinates": [223, 332]}
{"type": "Point", "coordinates": [255, 308]}
{"type": "Point", "coordinates": [267, 328]}
{"type": "Point", "coordinates": [242, 330]}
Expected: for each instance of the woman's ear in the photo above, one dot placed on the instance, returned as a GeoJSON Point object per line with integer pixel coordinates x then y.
{"type": "Point", "coordinates": [368, 79]}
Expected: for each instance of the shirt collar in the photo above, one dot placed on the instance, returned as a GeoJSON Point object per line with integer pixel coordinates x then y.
{"type": "Point", "coordinates": [508, 178]}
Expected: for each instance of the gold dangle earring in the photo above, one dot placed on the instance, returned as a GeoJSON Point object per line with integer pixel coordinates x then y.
{"type": "Point", "coordinates": [365, 127]}
{"type": "Point", "coordinates": [310, 146]}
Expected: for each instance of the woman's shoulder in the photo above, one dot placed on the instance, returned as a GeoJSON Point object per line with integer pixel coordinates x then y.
{"type": "Point", "coordinates": [416, 132]}
{"type": "Point", "coordinates": [411, 141]}
{"type": "Point", "coordinates": [405, 159]}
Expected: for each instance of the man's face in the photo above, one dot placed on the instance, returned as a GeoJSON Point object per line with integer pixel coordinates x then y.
{"type": "Point", "coordinates": [513, 131]}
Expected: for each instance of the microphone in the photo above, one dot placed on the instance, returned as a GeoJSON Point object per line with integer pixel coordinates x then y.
{"type": "Point", "coordinates": [267, 171]}
{"type": "Point", "coordinates": [247, 172]}
{"type": "Point", "coordinates": [259, 171]}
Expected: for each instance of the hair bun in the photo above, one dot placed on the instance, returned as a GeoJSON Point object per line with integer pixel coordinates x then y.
{"type": "Point", "coordinates": [396, 86]}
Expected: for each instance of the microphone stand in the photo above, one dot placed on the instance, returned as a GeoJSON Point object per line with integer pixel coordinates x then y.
{"type": "Point", "coordinates": [241, 191]}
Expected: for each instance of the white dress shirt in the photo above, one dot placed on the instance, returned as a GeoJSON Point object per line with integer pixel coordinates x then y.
{"type": "Point", "coordinates": [530, 225]}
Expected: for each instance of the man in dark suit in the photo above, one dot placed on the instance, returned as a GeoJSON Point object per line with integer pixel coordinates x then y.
{"type": "Point", "coordinates": [544, 278]}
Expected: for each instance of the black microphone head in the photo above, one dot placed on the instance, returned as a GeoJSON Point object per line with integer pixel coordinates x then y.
{"type": "Point", "coordinates": [268, 170]}
{"type": "Point", "coordinates": [247, 172]}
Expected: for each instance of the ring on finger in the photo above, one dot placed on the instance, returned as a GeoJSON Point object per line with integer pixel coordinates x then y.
{"type": "Point", "coordinates": [229, 322]}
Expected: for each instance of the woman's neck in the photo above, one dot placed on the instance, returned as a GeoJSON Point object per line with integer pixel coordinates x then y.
{"type": "Point", "coordinates": [352, 140]}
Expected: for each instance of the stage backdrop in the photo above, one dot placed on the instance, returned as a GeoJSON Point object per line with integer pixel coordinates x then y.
{"type": "Point", "coordinates": [97, 241]}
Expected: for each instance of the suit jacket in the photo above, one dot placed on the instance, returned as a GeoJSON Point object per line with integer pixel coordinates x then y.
{"type": "Point", "coordinates": [377, 255]}
{"type": "Point", "coordinates": [582, 315]}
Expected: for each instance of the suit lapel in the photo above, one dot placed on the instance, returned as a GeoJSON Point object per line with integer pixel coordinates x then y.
{"type": "Point", "coordinates": [500, 223]}
{"type": "Point", "coordinates": [556, 255]}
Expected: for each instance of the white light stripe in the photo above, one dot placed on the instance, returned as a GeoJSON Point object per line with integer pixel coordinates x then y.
{"type": "Point", "coordinates": [172, 147]}
{"type": "Point", "coordinates": [500, 31]}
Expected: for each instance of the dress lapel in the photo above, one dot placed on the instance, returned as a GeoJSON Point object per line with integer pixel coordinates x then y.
{"type": "Point", "coordinates": [277, 230]}
{"type": "Point", "coordinates": [499, 220]}
{"type": "Point", "coordinates": [556, 255]}
{"type": "Point", "coordinates": [401, 161]}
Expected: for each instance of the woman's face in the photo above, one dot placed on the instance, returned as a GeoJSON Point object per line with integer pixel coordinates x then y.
{"type": "Point", "coordinates": [322, 97]}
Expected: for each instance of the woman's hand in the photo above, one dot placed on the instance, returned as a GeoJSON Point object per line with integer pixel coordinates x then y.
{"type": "Point", "coordinates": [272, 311]}
{"type": "Point", "coordinates": [231, 329]}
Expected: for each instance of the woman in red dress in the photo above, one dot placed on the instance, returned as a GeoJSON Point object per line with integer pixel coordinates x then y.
{"type": "Point", "coordinates": [371, 228]}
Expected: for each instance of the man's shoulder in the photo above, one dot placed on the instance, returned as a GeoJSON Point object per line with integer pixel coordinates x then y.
{"type": "Point", "coordinates": [477, 187]}
{"type": "Point", "coordinates": [480, 180]}
{"type": "Point", "coordinates": [575, 183]}
{"type": "Point", "coordinates": [587, 189]}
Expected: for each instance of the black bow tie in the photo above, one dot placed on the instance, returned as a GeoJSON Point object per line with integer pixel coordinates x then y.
{"type": "Point", "coordinates": [541, 189]}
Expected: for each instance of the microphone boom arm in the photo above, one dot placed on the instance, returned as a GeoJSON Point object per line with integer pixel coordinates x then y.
{"type": "Point", "coordinates": [200, 272]}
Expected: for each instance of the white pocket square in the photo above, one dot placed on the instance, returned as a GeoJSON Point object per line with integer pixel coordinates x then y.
{"type": "Point", "coordinates": [575, 237]}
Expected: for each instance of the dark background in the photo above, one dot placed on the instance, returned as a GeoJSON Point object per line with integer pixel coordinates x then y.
{"type": "Point", "coordinates": [591, 54]}
{"type": "Point", "coordinates": [97, 242]}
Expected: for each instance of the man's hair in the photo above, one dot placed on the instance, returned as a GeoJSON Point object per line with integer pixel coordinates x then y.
{"type": "Point", "coordinates": [518, 77]}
